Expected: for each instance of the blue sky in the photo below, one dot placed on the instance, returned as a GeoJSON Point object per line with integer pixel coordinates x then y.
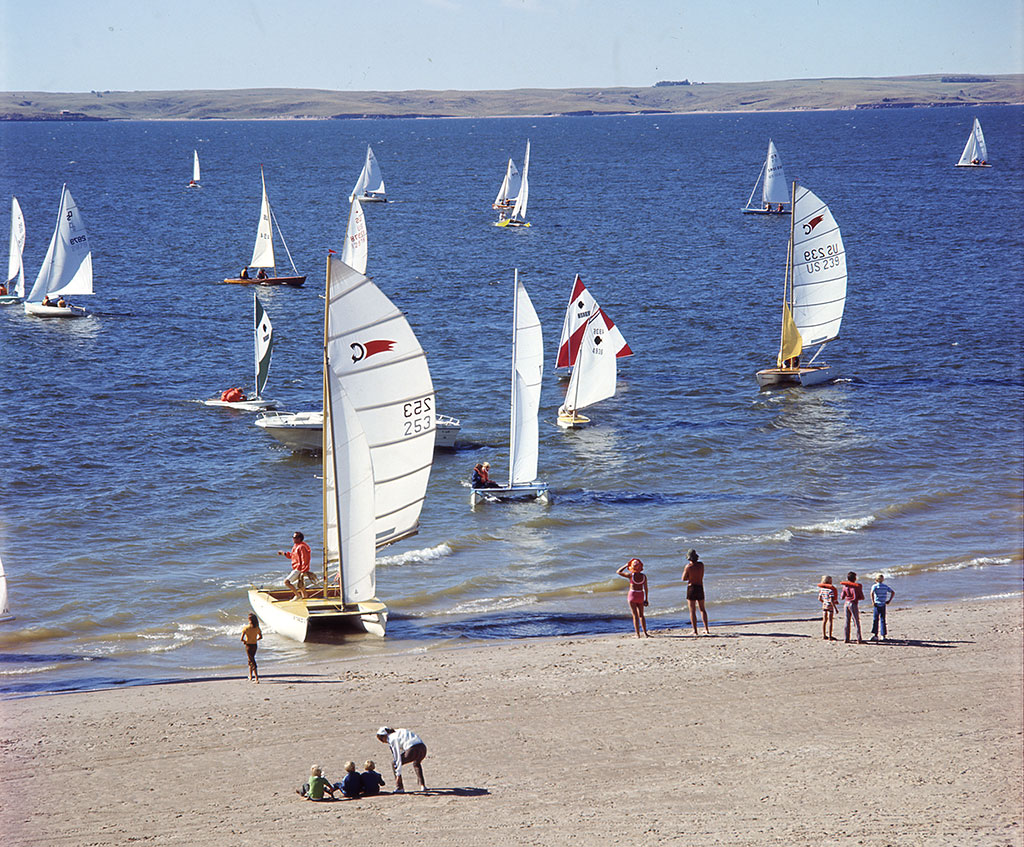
{"type": "Point", "coordinates": [80, 45]}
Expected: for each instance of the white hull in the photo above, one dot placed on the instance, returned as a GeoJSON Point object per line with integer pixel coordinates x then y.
{"type": "Point", "coordinates": [372, 198]}
{"type": "Point", "coordinates": [9, 299]}
{"type": "Point", "coordinates": [523, 491]}
{"type": "Point", "coordinates": [303, 431]}
{"type": "Point", "coordinates": [749, 211]}
{"type": "Point", "coordinates": [38, 310]}
{"type": "Point", "coordinates": [815, 375]}
{"type": "Point", "coordinates": [309, 619]}
{"type": "Point", "coordinates": [970, 165]}
{"type": "Point", "coordinates": [244, 405]}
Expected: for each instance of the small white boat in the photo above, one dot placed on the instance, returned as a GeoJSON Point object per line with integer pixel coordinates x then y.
{"type": "Point", "coordinates": [774, 188]}
{"type": "Point", "coordinates": [356, 249]}
{"type": "Point", "coordinates": [524, 435]}
{"type": "Point", "coordinates": [369, 188]}
{"type": "Point", "coordinates": [66, 268]}
{"type": "Point", "coordinates": [194, 182]}
{"type": "Point", "coordinates": [15, 265]}
{"type": "Point", "coordinates": [581, 307]}
{"type": "Point", "coordinates": [814, 293]}
{"type": "Point", "coordinates": [303, 431]}
{"type": "Point", "coordinates": [377, 454]}
{"type": "Point", "coordinates": [264, 345]}
{"type": "Point", "coordinates": [594, 374]}
{"type": "Point", "coordinates": [975, 153]}
{"type": "Point", "coordinates": [517, 218]}
{"type": "Point", "coordinates": [509, 190]}
{"type": "Point", "coordinates": [5, 607]}
{"type": "Point", "coordinates": [263, 251]}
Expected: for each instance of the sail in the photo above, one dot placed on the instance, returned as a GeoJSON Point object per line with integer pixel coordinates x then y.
{"type": "Point", "coordinates": [264, 345]}
{"type": "Point", "coordinates": [15, 263]}
{"type": "Point", "coordinates": [67, 266]}
{"type": "Point", "coordinates": [376, 356]}
{"type": "Point", "coordinates": [519, 210]}
{"type": "Point", "coordinates": [354, 253]}
{"type": "Point", "coordinates": [510, 185]}
{"type": "Point", "coordinates": [371, 180]}
{"type": "Point", "coordinates": [263, 250]}
{"type": "Point", "coordinates": [527, 369]}
{"type": "Point", "coordinates": [5, 609]}
{"type": "Point", "coordinates": [594, 374]}
{"type": "Point", "coordinates": [775, 189]}
{"type": "Point", "coordinates": [581, 306]}
{"type": "Point", "coordinates": [819, 270]}
{"type": "Point", "coordinates": [195, 166]}
{"type": "Point", "coordinates": [975, 149]}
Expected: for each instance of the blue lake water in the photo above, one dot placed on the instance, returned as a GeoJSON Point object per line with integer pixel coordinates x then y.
{"type": "Point", "coordinates": [133, 520]}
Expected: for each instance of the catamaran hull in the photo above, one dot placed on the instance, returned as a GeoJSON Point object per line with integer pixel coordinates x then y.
{"type": "Point", "coordinates": [316, 618]}
{"type": "Point", "coordinates": [796, 376]}
{"type": "Point", "coordinates": [244, 405]}
{"type": "Point", "coordinates": [40, 311]}
{"type": "Point", "coordinates": [524, 491]}
{"type": "Point", "coordinates": [293, 281]}
{"type": "Point", "coordinates": [572, 421]}
{"type": "Point", "coordinates": [511, 224]}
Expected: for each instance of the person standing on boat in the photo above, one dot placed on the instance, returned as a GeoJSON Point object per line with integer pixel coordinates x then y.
{"type": "Point", "coordinates": [300, 556]}
{"type": "Point", "coordinates": [693, 575]}
{"type": "Point", "coordinates": [406, 748]}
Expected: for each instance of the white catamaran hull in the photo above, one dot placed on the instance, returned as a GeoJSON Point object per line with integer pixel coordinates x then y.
{"type": "Point", "coordinates": [521, 491]}
{"type": "Point", "coordinates": [315, 617]}
{"type": "Point", "coordinates": [244, 405]}
{"type": "Point", "coordinates": [38, 310]}
{"type": "Point", "coordinates": [815, 375]}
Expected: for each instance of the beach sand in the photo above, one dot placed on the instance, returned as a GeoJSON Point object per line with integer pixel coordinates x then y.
{"type": "Point", "coordinates": [763, 734]}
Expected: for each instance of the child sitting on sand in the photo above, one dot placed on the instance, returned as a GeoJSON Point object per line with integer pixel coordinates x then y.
{"type": "Point", "coordinates": [372, 781]}
{"type": "Point", "coordinates": [317, 786]}
{"type": "Point", "coordinates": [352, 785]}
{"type": "Point", "coordinates": [828, 597]}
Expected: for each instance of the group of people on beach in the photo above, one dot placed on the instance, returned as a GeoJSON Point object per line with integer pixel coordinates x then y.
{"type": "Point", "coordinates": [638, 596]}
{"type": "Point", "coordinates": [851, 594]}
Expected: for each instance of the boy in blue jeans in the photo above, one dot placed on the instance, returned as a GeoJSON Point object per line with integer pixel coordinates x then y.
{"type": "Point", "coordinates": [881, 596]}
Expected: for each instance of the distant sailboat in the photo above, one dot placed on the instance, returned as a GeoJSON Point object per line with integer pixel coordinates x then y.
{"type": "Point", "coordinates": [263, 250]}
{"type": "Point", "coordinates": [264, 347]}
{"type": "Point", "coordinates": [5, 608]}
{"type": "Point", "coordinates": [15, 265]}
{"type": "Point", "coordinates": [67, 266]}
{"type": "Point", "coordinates": [355, 251]}
{"type": "Point", "coordinates": [518, 216]}
{"type": "Point", "coordinates": [369, 187]}
{"type": "Point", "coordinates": [582, 306]}
{"type": "Point", "coordinates": [524, 435]}
{"type": "Point", "coordinates": [774, 188]}
{"type": "Point", "coordinates": [975, 153]}
{"type": "Point", "coordinates": [194, 182]}
{"type": "Point", "coordinates": [814, 293]}
{"type": "Point", "coordinates": [509, 190]}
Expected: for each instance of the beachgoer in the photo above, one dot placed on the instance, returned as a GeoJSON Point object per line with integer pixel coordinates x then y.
{"type": "Point", "coordinates": [482, 476]}
{"type": "Point", "coordinates": [300, 556]}
{"type": "Point", "coordinates": [352, 785]}
{"type": "Point", "coordinates": [372, 781]}
{"type": "Point", "coordinates": [637, 596]}
{"type": "Point", "coordinates": [317, 786]}
{"type": "Point", "coordinates": [244, 274]}
{"type": "Point", "coordinates": [406, 748]}
{"type": "Point", "coordinates": [251, 634]}
{"type": "Point", "coordinates": [852, 593]}
{"type": "Point", "coordinates": [693, 575]}
{"type": "Point", "coordinates": [827, 596]}
{"type": "Point", "coordinates": [881, 596]}
{"type": "Point", "coordinates": [261, 274]}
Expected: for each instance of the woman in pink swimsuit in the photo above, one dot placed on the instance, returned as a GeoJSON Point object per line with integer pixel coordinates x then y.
{"type": "Point", "coordinates": [637, 596]}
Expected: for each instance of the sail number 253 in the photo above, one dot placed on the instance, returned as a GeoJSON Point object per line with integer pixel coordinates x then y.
{"type": "Point", "coordinates": [419, 415]}
{"type": "Point", "coordinates": [822, 258]}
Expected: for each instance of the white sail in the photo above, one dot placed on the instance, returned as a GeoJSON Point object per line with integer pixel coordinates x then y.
{"type": "Point", "coordinates": [527, 370]}
{"type": "Point", "coordinates": [355, 251]}
{"type": "Point", "coordinates": [379, 361]}
{"type": "Point", "coordinates": [15, 263]}
{"type": "Point", "coordinates": [775, 189]}
{"type": "Point", "coordinates": [67, 266]}
{"type": "Point", "coordinates": [519, 210]}
{"type": "Point", "coordinates": [819, 270]}
{"type": "Point", "coordinates": [593, 376]}
{"type": "Point", "coordinates": [195, 166]}
{"type": "Point", "coordinates": [264, 345]}
{"type": "Point", "coordinates": [582, 306]}
{"type": "Point", "coordinates": [510, 185]}
{"type": "Point", "coordinates": [263, 249]}
{"type": "Point", "coordinates": [5, 609]}
{"type": "Point", "coordinates": [371, 180]}
{"type": "Point", "coordinates": [975, 149]}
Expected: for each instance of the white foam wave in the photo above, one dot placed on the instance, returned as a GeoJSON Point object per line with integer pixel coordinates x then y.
{"type": "Point", "coordinates": [839, 526]}
{"type": "Point", "coordinates": [20, 671]}
{"type": "Point", "coordinates": [979, 563]}
{"type": "Point", "coordinates": [492, 604]}
{"type": "Point", "coordinates": [427, 554]}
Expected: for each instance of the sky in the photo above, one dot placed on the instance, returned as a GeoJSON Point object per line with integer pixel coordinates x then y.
{"type": "Point", "coordinates": [388, 45]}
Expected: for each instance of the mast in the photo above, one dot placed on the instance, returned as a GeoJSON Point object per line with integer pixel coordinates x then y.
{"type": "Point", "coordinates": [512, 393]}
{"type": "Point", "coordinates": [324, 435]}
{"type": "Point", "coordinates": [787, 285]}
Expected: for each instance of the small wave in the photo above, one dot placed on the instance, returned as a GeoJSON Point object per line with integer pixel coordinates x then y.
{"type": "Point", "coordinates": [23, 670]}
{"type": "Point", "coordinates": [978, 563]}
{"type": "Point", "coordinates": [427, 554]}
{"type": "Point", "coordinates": [838, 526]}
{"type": "Point", "coordinates": [484, 605]}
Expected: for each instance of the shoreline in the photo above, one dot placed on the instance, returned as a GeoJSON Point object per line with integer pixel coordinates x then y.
{"type": "Point", "coordinates": [759, 734]}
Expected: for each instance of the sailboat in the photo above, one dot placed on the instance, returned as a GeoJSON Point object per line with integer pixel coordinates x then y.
{"type": "Point", "coordinates": [594, 374]}
{"type": "Point", "coordinates": [194, 182]}
{"type": "Point", "coordinates": [378, 444]}
{"type": "Point", "coordinates": [509, 190]}
{"type": "Point", "coordinates": [263, 250]}
{"type": "Point", "coordinates": [774, 188]}
{"type": "Point", "coordinates": [582, 306]}
{"type": "Point", "coordinates": [5, 608]}
{"type": "Point", "coordinates": [518, 216]}
{"type": "Point", "coordinates": [975, 153]}
{"type": "Point", "coordinates": [264, 344]}
{"type": "Point", "coordinates": [67, 266]}
{"type": "Point", "coordinates": [356, 249]}
{"type": "Point", "coordinates": [15, 265]}
{"type": "Point", "coordinates": [814, 293]}
{"type": "Point", "coordinates": [524, 436]}
{"type": "Point", "coordinates": [369, 187]}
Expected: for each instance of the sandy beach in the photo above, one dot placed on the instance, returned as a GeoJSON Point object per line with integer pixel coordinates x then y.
{"type": "Point", "coordinates": [762, 734]}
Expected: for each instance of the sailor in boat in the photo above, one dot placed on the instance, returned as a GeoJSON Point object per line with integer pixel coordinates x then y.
{"type": "Point", "coordinates": [244, 274]}
{"type": "Point", "coordinates": [261, 274]}
{"type": "Point", "coordinates": [300, 556]}
{"type": "Point", "coordinates": [3, 289]}
{"type": "Point", "coordinates": [482, 476]}
{"type": "Point", "coordinates": [46, 300]}
{"type": "Point", "coordinates": [61, 302]}
{"type": "Point", "coordinates": [232, 395]}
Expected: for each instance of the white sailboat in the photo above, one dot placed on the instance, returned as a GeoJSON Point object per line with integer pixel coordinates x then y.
{"type": "Point", "coordinates": [264, 346]}
{"type": "Point", "coordinates": [194, 182]}
{"type": "Point", "coordinates": [975, 153]}
{"type": "Point", "coordinates": [66, 268]}
{"type": "Point", "coordinates": [5, 608]}
{"type": "Point", "coordinates": [369, 187]}
{"type": "Point", "coordinates": [378, 442]}
{"type": "Point", "coordinates": [518, 215]}
{"type": "Point", "coordinates": [356, 249]}
{"type": "Point", "coordinates": [582, 306]}
{"type": "Point", "coordinates": [509, 190]}
{"type": "Point", "coordinates": [263, 250]}
{"type": "Point", "coordinates": [774, 188]}
{"type": "Point", "coordinates": [814, 293]}
{"type": "Point", "coordinates": [524, 435]}
{"type": "Point", "coordinates": [594, 374]}
{"type": "Point", "coordinates": [15, 265]}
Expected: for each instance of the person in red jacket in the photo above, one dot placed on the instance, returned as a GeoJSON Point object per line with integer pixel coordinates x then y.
{"type": "Point", "coordinates": [300, 555]}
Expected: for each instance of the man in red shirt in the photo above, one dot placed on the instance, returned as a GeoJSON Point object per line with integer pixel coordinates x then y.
{"type": "Point", "coordinates": [300, 555]}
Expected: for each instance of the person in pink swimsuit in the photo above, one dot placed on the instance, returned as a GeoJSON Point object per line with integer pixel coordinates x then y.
{"type": "Point", "coordinates": [637, 596]}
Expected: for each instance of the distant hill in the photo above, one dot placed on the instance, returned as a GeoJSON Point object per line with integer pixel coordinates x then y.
{"type": "Point", "coordinates": [667, 96]}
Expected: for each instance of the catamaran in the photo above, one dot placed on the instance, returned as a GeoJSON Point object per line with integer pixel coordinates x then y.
{"type": "Point", "coordinates": [15, 264]}
{"type": "Point", "coordinates": [369, 187]}
{"type": "Point", "coordinates": [582, 306]}
{"type": "Point", "coordinates": [263, 250]}
{"type": "Point", "coordinates": [814, 293]}
{"type": "Point", "coordinates": [194, 182]}
{"type": "Point", "coordinates": [264, 344]}
{"type": "Point", "coordinates": [524, 436]}
{"type": "Point", "coordinates": [378, 444]}
{"type": "Point", "coordinates": [66, 268]}
{"type": "Point", "coordinates": [774, 188]}
{"type": "Point", "coordinates": [356, 249]}
{"type": "Point", "coordinates": [509, 190]}
{"type": "Point", "coordinates": [518, 215]}
{"type": "Point", "coordinates": [975, 153]}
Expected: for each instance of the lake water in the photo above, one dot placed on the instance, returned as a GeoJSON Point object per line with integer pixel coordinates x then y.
{"type": "Point", "coordinates": [133, 520]}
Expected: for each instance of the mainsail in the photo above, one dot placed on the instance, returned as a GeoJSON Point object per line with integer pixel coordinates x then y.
{"type": "Point", "coordinates": [356, 247]}
{"type": "Point", "coordinates": [195, 166]}
{"type": "Point", "coordinates": [264, 345]}
{"type": "Point", "coordinates": [15, 263]}
{"type": "Point", "coordinates": [371, 180]}
{"type": "Point", "coordinates": [510, 185]}
{"type": "Point", "coordinates": [775, 189]}
{"type": "Point", "coordinates": [523, 197]}
{"type": "Point", "coordinates": [263, 249]}
{"type": "Point", "coordinates": [594, 374]}
{"type": "Point", "coordinates": [582, 306]}
{"type": "Point", "coordinates": [527, 369]}
{"type": "Point", "coordinates": [975, 149]}
{"type": "Point", "coordinates": [67, 266]}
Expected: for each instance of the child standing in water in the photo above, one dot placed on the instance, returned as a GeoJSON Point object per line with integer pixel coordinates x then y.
{"type": "Point", "coordinates": [637, 596]}
{"type": "Point", "coordinates": [827, 596]}
{"type": "Point", "coordinates": [250, 635]}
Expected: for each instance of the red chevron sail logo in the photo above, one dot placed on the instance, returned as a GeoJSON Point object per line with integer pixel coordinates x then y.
{"type": "Point", "coordinates": [812, 224]}
{"type": "Point", "coordinates": [364, 351]}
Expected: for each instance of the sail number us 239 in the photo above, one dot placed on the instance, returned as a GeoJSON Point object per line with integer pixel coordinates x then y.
{"type": "Point", "coordinates": [822, 258]}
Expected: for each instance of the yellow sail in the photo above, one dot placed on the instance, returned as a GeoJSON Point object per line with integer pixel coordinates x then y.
{"type": "Point", "coordinates": [792, 343]}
